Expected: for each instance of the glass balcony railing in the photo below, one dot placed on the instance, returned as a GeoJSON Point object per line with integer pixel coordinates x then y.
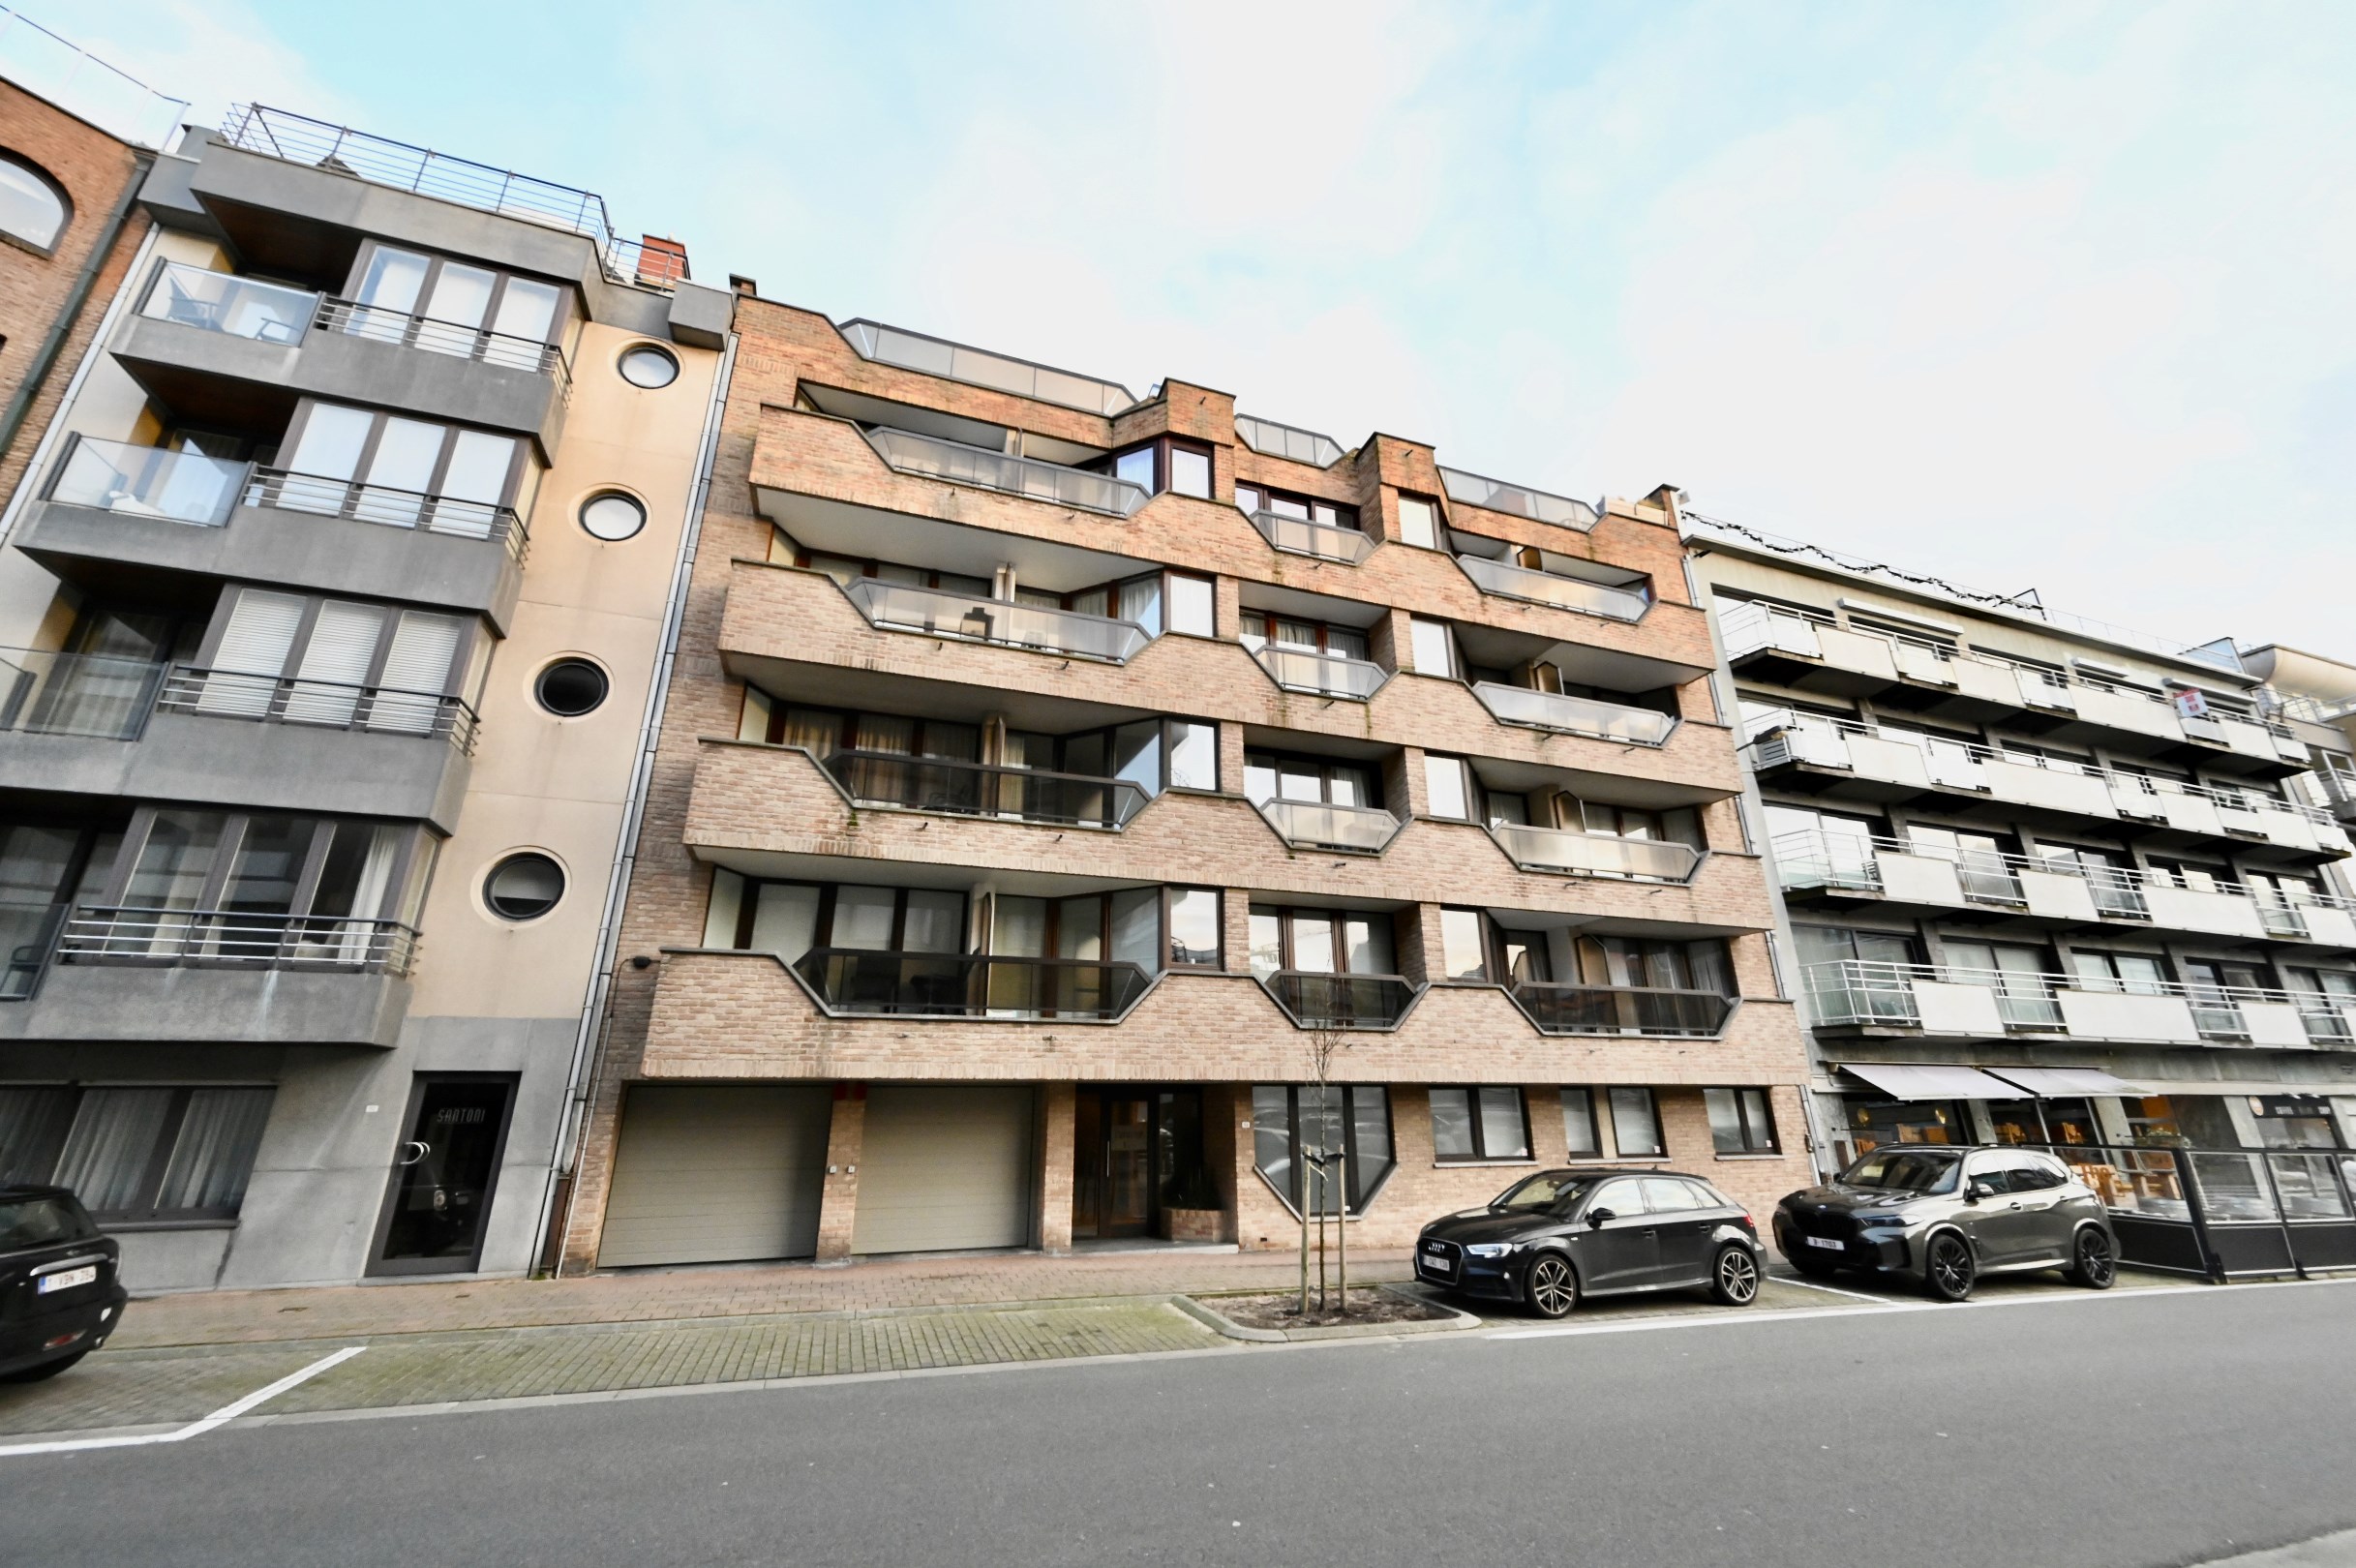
{"type": "Point", "coordinates": [932, 458]}
{"type": "Point", "coordinates": [96, 934]}
{"type": "Point", "coordinates": [1324, 675]}
{"type": "Point", "coordinates": [1573, 715]}
{"type": "Point", "coordinates": [956, 362]}
{"type": "Point", "coordinates": [1510, 582]}
{"type": "Point", "coordinates": [1559, 1009]}
{"type": "Point", "coordinates": [338, 705]}
{"type": "Point", "coordinates": [1317, 824]}
{"type": "Point", "coordinates": [384, 505]}
{"type": "Point", "coordinates": [98, 694]}
{"type": "Point", "coordinates": [937, 613]}
{"type": "Point", "coordinates": [1497, 496]}
{"type": "Point", "coordinates": [28, 934]}
{"type": "Point", "coordinates": [977, 790]}
{"type": "Point", "coordinates": [1317, 1001]}
{"type": "Point", "coordinates": [1299, 536]}
{"type": "Point", "coordinates": [1596, 855]}
{"type": "Point", "coordinates": [146, 481]}
{"type": "Point", "coordinates": [1286, 442]}
{"type": "Point", "coordinates": [869, 983]}
{"type": "Point", "coordinates": [225, 303]}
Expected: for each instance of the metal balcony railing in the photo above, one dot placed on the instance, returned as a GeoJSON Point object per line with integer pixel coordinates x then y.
{"type": "Point", "coordinates": [1573, 715]}
{"type": "Point", "coordinates": [235, 307]}
{"type": "Point", "coordinates": [1595, 855]}
{"type": "Point", "coordinates": [1326, 541]}
{"type": "Point", "coordinates": [1321, 1001]}
{"type": "Point", "coordinates": [453, 337]}
{"type": "Point", "coordinates": [98, 695]}
{"type": "Point", "coordinates": [1507, 580]}
{"type": "Point", "coordinates": [977, 367]}
{"type": "Point", "coordinates": [1858, 993]}
{"type": "Point", "coordinates": [864, 982]}
{"type": "Point", "coordinates": [970, 618]}
{"type": "Point", "coordinates": [977, 790]}
{"type": "Point", "coordinates": [1560, 1007]}
{"type": "Point", "coordinates": [385, 504]}
{"type": "Point", "coordinates": [146, 481]}
{"type": "Point", "coordinates": [1322, 675]}
{"type": "Point", "coordinates": [1267, 436]}
{"type": "Point", "coordinates": [932, 458]}
{"type": "Point", "coordinates": [28, 936]}
{"type": "Point", "coordinates": [121, 934]}
{"type": "Point", "coordinates": [1497, 496]}
{"type": "Point", "coordinates": [340, 705]}
{"type": "Point", "coordinates": [1318, 825]}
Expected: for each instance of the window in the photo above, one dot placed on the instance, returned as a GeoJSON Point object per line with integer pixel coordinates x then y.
{"type": "Point", "coordinates": [1297, 1127]}
{"type": "Point", "coordinates": [1320, 942]}
{"type": "Point", "coordinates": [1264, 627]}
{"type": "Point", "coordinates": [1464, 948]}
{"type": "Point", "coordinates": [524, 886]}
{"type": "Point", "coordinates": [1195, 928]}
{"type": "Point", "coordinates": [1167, 462]}
{"type": "Point", "coordinates": [1578, 1131]}
{"type": "Point", "coordinates": [1194, 755]}
{"type": "Point", "coordinates": [1434, 647]}
{"type": "Point", "coordinates": [1448, 790]}
{"type": "Point", "coordinates": [613, 516]}
{"type": "Point", "coordinates": [1270, 775]}
{"type": "Point", "coordinates": [1740, 1121]}
{"type": "Point", "coordinates": [451, 306]}
{"type": "Point", "coordinates": [2131, 973]}
{"type": "Point", "coordinates": [137, 1154]}
{"type": "Point", "coordinates": [1636, 1123]}
{"type": "Point", "coordinates": [32, 208]}
{"type": "Point", "coordinates": [1418, 521]}
{"type": "Point", "coordinates": [1488, 1123]}
{"type": "Point", "coordinates": [570, 687]}
{"type": "Point", "coordinates": [382, 467]}
{"type": "Point", "coordinates": [1652, 963]}
{"type": "Point", "coordinates": [644, 365]}
{"type": "Point", "coordinates": [1300, 508]}
{"type": "Point", "coordinates": [1193, 605]}
{"type": "Point", "coordinates": [337, 662]}
{"type": "Point", "coordinates": [1150, 753]}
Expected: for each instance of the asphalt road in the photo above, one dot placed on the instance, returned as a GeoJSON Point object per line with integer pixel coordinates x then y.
{"type": "Point", "coordinates": [2134, 1428]}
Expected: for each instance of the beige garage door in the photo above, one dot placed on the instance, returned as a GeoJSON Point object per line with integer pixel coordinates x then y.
{"type": "Point", "coordinates": [944, 1168]}
{"type": "Point", "coordinates": [716, 1174]}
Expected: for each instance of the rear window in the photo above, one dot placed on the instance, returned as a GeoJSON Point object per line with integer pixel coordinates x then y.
{"type": "Point", "coordinates": [42, 1222]}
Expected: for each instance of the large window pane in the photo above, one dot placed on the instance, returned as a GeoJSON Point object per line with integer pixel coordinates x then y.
{"type": "Point", "coordinates": [1369, 1155]}
{"type": "Point", "coordinates": [862, 918]}
{"type": "Point", "coordinates": [1366, 944]}
{"type": "Point", "coordinates": [1272, 1135]}
{"type": "Point", "coordinates": [1445, 792]}
{"type": "Point", "coordinates": [329, 448]}
{"type": "Point", "coordinates": [1193, 756]}
{"type": "Point", "coordinates": [1136, 927]}
{"type": "Point", "coordinates": [114, 1137]}
{"type": "Point", "coordinates": [1503, 1134]}
{"type": "Point", "coordinates": [33, 1127]}
{"type": "Point", "coordinates": [1194, 934]}
{"type": "Point", "coordinates": [1140, 602]}
{"type": "Point", "coordinates": [1136, 754]}
{"type": "Point", "coordinates": [1267, 942]}
{"type": "Point", "coordinates": [1418, 523]}
{"type": "Point", "coordinates": [936, 922]}
{"type": "Point", "coordinates": [1579, 1123]}
{"type": "Point", "coordinates": [1452, 1124]}
{"type": "Point", "coordinates": [1190, 605]}
{"type": "Point", "coordinates": [1636, 1131]}
{"type": "Point", "coordinates": [214, 1153]}
{"type": "Point", "coordinates": [1313, 944]}
{"type": "Point", "coordinates": [785, 920]}
{"type": "Point", "coordinates": [1434, 651]}
{"type": "Point", "coordinates": [1190, 471]}
{"type": "Point", "coordinates": [1463, 952]}
{"type": "Point", "coordinates": [176, 861]}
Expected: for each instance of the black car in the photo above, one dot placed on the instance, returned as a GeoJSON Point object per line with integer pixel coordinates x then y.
{"type": "Point", "coordinates": [1563, 1234]}
{"type": "Point", "coordinates": [61, 1292]}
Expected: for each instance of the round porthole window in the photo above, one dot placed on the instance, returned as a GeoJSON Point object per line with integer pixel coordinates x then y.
{"type": "Point", "coordinates": [570, 687]}
{"type": "Point", "coordinates": [645, 365]}
{"type": "Point", "coordinates": [613, 516]}
{"type": "Point", "coordinates": [524, 886]}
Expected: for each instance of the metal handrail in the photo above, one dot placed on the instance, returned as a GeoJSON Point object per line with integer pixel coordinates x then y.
{"type": "Point", "coordinates": [1322, 825]}
{"type": "Point", "coordinates": [1321, 674]}
{"type": "Point", "coordinates": [1301, 537]}
{"type": "Point", "coordinates": [287, 491]}
{"type": "Point", "coordinates": [1861, 975]}
{"type": "Point", "coordinates": [946, 784]}
{"type": "Point", "coordinates": [1505, 580]}
{"type": "Point", "coordinates": [1565, 1008]}
{"type": "Point", "coordinates": [145, 481]}
{"type": "Point", "coordinates": [1536, 709]}
{"type": "Point", "coordinates": [1321, 999]}
{"type": "Point", "coordinates": [931, 456]}
{"type": "Point", "coordinates": [1595, 855]}
{"type": "Point", "coordinates": [99, 933]}
{"type": "Point", "coordinates": [342, 705]}
{"type": "Point", "coordinates": [480, 345]}
{"type": "Point", "coordinates": [873, 982]}
{"type": "Point", "coordinates": [1006, 622]}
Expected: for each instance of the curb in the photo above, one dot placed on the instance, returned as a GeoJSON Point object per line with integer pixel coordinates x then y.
{"type": "Point", "coordinates": [1211, 1319]}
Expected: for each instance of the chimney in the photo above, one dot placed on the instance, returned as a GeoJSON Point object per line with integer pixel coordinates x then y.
{"type": "Point", "coordinates": [743, 284]}
{"type": "Point", "coordinates": [661, 261]}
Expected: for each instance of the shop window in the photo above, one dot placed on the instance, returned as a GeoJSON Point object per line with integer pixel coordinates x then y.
{"type": "Point", "coordinates": [1742, 1121]}
{"type": "Point", "coordinates": [1487, 1122]}
{"type": "Point", "coordinates": [1297, 1128]}
{"type": "Point", "coordinates": [145, 1154]}
{"type": "Point", "coordinates": [1872, 1123]}
{"type": "Point", "coordinates": [1636, 1123]}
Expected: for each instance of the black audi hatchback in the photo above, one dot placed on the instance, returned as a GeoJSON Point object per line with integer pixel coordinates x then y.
{"type": "Point", "coordinates": [1548, 1240]}
{"type": "Point", "coordinates": [60, 1289]}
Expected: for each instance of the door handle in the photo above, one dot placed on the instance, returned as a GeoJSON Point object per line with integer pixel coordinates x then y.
{"type": "Point", "coordinates": [422, 1147]}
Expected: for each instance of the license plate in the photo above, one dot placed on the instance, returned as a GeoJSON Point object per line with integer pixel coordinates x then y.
{"type": "Point", "coordinates": [1438, 1265]}
{"type": "Point", "coordinates": [66, 1281]}
{"type": "Point", "coordinates": [1822, 1241]}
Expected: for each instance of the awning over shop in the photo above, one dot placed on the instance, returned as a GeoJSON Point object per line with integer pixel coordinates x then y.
{"type": "Point", "coordinates": [2051, 1083]}
{"type": "Point", "coordinates": [1931, 1082]}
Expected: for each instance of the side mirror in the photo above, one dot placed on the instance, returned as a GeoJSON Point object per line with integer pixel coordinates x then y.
{"type": "Point", "coordinates": [1596, 1216]}
{"type": "Point", "coordinates": [1978, 1190]}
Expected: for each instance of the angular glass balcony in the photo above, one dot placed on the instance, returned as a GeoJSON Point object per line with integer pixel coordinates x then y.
{"type": "Point", "coordinates": [1562, 1009]}
{"type": "Point", "coordinates": [1573, 715]}
{"type": "Point", "coordinates": [99, 934]}
{"type": "Point", "coordinates": [1596, 855]}
{"type": "Point", "coordinates": [223, 302]}
{"type": "Point", "coordinates": [956, 362]}
{"type": "Point", "coordinates": [1319, 1001]}
{"type": "Point", "coordinates": [970, 618]}
{"type": "Point", "coordinates": [864, 983]}
{"type": "Point", "coordinates": [481, 345]}
{"type": "Point", "coordinates": [384, 505]}
{"type": "Point", "coordinates": [98, 695]}
{"type": "Point", "coordinates": [1299, 536]}
{"type": "Point", "coordinates": [1322, 675]}
{"type": "Point", "coordinates": [977, 790]}
{"type": "Point", "coordinates": [146, 481]}
{"type": "Point", "coordinates": [1317, 824]}
{"type": "Point", "coordinates": [1520, 500]}
{"type": "Point", "coordinates": [328, 704]}
{"type": "Point", "coordinates": [932, 458]}
{"type": "Point", "coordinates": [1286, 442]}
{"type": "Point", "coordinates": [1510, 582]}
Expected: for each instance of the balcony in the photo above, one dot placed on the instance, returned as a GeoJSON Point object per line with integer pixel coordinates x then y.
{"type": "Point", "coordinates": [1659, 1012]}
{"type": "Point", "coordinates": [977, 366]}
{"type": "Point", "coordinates": [1306, 670]}
{"type": "Point", "coordinates": [1317, 824]}
{"type": "Point", "coordinates": [99, 696]}
{"type": "Point", "coordinates": [1506, 581]}
{"type": "Point", "coordinates": [1567, 715]}
{"type": "Point", "coordinates": [1518, 501]}
{"type": "Point", "coordinates": [975, 789]}
{"type": "Point", "coordinates": [100, 934]}
{"type": "Point", "coordinates": [387, 507]}
{"type": "Point", "coordinates": [223, 302]}
{"type": "Point", "coordinates": [322, 704]}
{"type": "Point", "coordinates": [1595, 855]}
{"type": "Point", "coordinates": [146, 482]}
{"type": "Point", "coordinates": [1272, 440]}
{"type": "Point", "coordinates": [968, 618]}
{"type": "Point", "coordinates": [1991, 1003]}
{"type": "Point", "coordinates": [929, 457]}
{"type": "Point", "coordinates": [1324, 1001]}
{"type": "Point", "coordinates": [1324, 541]}
{"type": "Point", "coordinates": [859, 982]}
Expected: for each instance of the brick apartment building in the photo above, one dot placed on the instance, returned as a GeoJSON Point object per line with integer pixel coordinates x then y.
{"type": "Point", "coordinates": [1047, 772]}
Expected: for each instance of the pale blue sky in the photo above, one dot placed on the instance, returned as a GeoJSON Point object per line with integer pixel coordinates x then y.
{"type": "Point", "coordinates": [2038, 295]}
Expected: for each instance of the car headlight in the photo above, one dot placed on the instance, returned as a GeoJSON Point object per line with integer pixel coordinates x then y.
{"type": "Point", "coordinates": [1885, 1219]}
{"type": "Point", "coordinates": [1492, 1249]}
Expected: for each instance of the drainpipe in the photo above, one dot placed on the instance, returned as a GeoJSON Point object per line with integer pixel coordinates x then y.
{"type": "Point", "coordinates": [572, 1130]}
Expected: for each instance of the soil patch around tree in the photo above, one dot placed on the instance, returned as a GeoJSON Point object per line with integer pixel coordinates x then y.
{"type": "Point", "coordinates": [1366, 1308]}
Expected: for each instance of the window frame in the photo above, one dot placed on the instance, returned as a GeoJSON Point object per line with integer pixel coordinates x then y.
{"type": "Point", "coordinates": [1261, 624]}
{"type": "Point", "coordinates": [1286, 914]}
{"type": "Point", "coordinates": [1439, 520]}
{"type": "Point", "coordinates": [1290, 1193]}
{"type": "Point", "coordinates": [1335, 514]}
{"type": "Point", "coordinates": [464, 672]}
{"type": "Point", "coordinates": [1586, 1099]}
{"type": "Point", "coordinates": [1219, 911]}
{"type": "Point", "coordinates": [1477, 1125]}
{"type": "Point", "coordinates": [1160, 446]}
{"type": "Point", "coordinates": [1750, 1144]}
{"type": "Point", "coordinates": [1652, 1103]}
{"type": "Point", "coordinates": [514, 494]}
{"type": "Point", "coordinates": [400, 903]}
{"type": "Point", "coordinates": [821, 923]}
{"type": "Point", "coordinates": [147, 1216]}
{"type": "Point", "coordinates": [559, 321]}
{"type": "Point", "coordinates": [57, 191]}
{"type": "Point", "coordinates": [1367, 774]}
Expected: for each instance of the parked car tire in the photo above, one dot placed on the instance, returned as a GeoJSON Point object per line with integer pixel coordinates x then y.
{"type": "Point", "coordinates": [1552, 1289]}
{"type": "Point", "coordinates": [1948, 1269]}
{"type": "Point", "coordinates": [2095, 1261]}
{"type": "Point", "coordinates": [43, 1373]}
{"type": "Point", "coordinates": [1733, 1277]}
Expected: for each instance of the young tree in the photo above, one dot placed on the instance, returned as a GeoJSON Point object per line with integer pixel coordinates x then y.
{"type": "Point", "coordinates": [1323, 1043]}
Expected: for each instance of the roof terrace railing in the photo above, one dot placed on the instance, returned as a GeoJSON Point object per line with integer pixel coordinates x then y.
{"type": "Point", "coordinates": [82, 84]}
{"type": "Point", "coordinates": [1271, 440]}
{"type": "Point", "coordinates": [1518, 501]}
{"type": "Point", "coordinates": [979, 367]}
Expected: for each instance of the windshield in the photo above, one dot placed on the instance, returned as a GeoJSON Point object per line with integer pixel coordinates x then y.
{"type": "Point", "coordinates": [1905, 1170]}
{"type": "Point", "coordinates": [1549, 1192]}
{"type": "Point", "coordinates": [41, 1222]}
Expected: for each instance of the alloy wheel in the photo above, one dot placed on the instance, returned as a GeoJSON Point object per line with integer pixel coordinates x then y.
{"type": "Point", "coordinates": [1949, 1268]}
{"type": "Point", "coordinates": [2097, 1263]}
{"type": "Point", "coordinates": [1551, 1289]}
{"type": "Point", "coordinates": [1738, 1277]}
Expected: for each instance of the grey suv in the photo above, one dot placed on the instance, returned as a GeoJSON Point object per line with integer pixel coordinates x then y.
{"type": "Point", "coordinates": [1943, 1217]}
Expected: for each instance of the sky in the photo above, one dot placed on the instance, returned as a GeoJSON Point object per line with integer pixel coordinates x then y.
{"type": "Point", "coordinates": [2044, 295]}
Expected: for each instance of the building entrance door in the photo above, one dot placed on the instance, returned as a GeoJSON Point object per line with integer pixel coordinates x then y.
{"type": "Point", "coordinates": [444, 1174]}
{"type": "Point", "coordinates": [1112, 1163]}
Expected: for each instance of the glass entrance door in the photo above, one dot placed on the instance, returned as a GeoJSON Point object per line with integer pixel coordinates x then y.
{"type": "Point", "coordinates": [1112, 1185]}
{"type": "Point", "coordinates": [443, 1172]}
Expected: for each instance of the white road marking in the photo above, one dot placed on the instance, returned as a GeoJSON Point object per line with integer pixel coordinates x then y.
{"type": "Point", "coordinates": [196, 1429]}
{"type": "Point", "coordinates": [1829, 1290]}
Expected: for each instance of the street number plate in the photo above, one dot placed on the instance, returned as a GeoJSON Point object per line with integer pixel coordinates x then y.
{"type": "Point", "coordinates": [67, 1279]}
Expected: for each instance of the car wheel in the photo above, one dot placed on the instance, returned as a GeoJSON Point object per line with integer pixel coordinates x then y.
{"type": "Point", "coordinates": [45, 1371]}
{"type": "Point", "coordinates": [1554, 1289]}
{"type": "Point", "coordinates": [2097, 1265]}
{"type": "Point", "coordinates": [1735, 1277]}
{"type": "Point", "coordinates": [1947, 1269]}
